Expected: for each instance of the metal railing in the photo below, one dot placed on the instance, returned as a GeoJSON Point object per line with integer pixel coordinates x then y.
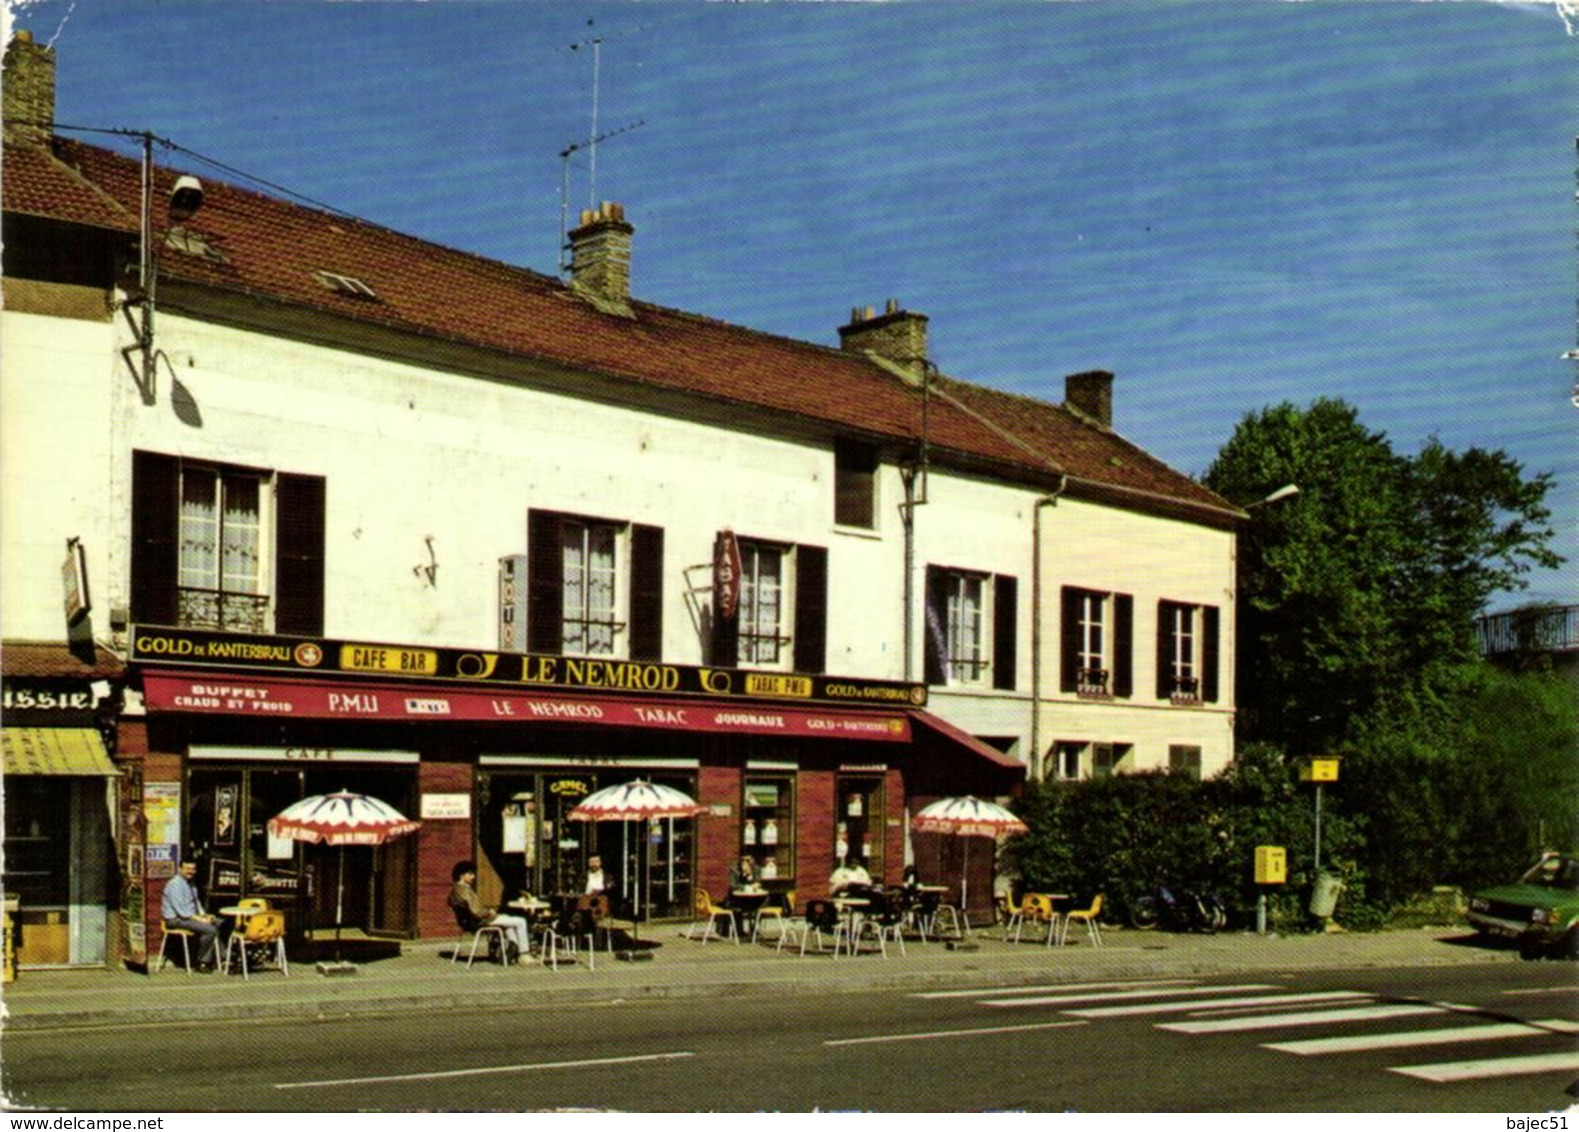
{"type": "Point", "coordinates": [1542, 629]}
{"type": "Point", "coordinates": [215, 609]}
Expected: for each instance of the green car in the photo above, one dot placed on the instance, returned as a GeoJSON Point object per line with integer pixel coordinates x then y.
{"type": "Point", "coordinates": [1541, 911]}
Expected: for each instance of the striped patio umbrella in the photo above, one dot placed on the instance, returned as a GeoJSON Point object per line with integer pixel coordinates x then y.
{"type": "Point", "coordinates": [966, 817]}
{"type": "Point", "coordinates": [639, 800]}
{"type": "Point", "coordinates": [341, 819]}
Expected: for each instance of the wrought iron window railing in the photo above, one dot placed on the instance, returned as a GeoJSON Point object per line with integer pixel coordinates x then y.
{"type": "Point", "coordinates": [218, 609]}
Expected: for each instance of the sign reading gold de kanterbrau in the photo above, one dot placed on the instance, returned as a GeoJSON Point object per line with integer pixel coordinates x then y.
{"type": "Point", "coordinates": [157, 645]}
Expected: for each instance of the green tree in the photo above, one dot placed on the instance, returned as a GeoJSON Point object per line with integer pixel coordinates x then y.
{"type": "Point", "coordinates": [1357, 595]}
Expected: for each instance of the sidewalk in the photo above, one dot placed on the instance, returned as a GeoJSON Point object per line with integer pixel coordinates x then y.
{"type": "Point", "coordinates": [422, 974]}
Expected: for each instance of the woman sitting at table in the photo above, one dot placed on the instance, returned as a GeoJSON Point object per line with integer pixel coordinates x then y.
{"type": "Point", "coordinates": [744, 874]}
{"type": "Point", "coordinates": [851, 874]}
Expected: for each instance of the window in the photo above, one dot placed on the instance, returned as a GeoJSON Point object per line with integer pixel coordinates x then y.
{"type": "Point", "coordinates": [590, 623]}
{"type": "Point", "coordinates": [858, 823]}
{"type": "Point", "coordinates": [762, 639]}
{"type": "Point", "coordinates": [767, 824]}
{"type": "Point", "coordinates": [1097, 638]}
{"type": "Point", "coordinates": [1108, 759]}
{"type": "Point", "coordinates": [219, 547]}
{"type": "Point", "coordinates": [594, 587]}
{"type": "Point", "coordinates": [1184, 760]}
{"type": "Point", "coordinates": [781, 618]}
{"type": "Point", "coordinates": [958, 651]}
{"type": "Point", "coordinates": [854, 484]}
{"type": "Point", "coordinates": [1186, 652]}
{"type": "Point", "coordinates": [1067, 758]}
{"type": "Point", "coordinates": [220, 571]}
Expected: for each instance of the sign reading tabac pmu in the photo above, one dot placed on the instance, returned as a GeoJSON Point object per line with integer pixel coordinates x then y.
{"type": "Point", "coordinates": [168, 646]}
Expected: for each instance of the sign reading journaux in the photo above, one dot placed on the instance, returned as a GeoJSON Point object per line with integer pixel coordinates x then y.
{"type": "Point", "coordinates": [308, 656]}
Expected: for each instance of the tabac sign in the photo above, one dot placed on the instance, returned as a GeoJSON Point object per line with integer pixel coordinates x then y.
{"type": "Point", "coordinates": [309, 656]}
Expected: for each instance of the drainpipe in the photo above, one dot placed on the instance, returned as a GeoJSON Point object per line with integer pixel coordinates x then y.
{"type": "Point", "coordinates": [1037, 765]}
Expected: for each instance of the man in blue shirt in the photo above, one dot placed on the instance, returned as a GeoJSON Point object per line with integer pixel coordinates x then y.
{"type": "Point", "coordinates": [181, 907]}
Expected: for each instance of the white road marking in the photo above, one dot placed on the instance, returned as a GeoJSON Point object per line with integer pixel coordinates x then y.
{"type": "Point", "coordinates": [1306, 1018]}
{"type": "Point", "coordinates": [1161, 992]}
{"type": "Point", "coordinates": [1254, 1000]}
{"type": "Point", "coordinates": [1490, 1067]}
{"type": "Point", "coordinates": [977, 992]}
{"type": "Point", "coordinates": [1568, 990]}
{"type": "Point", "coordinates": [482, 1070]}
{"type": "Point", "coordinates": [950, 1033]}
{"type": "Point", "coordinates": [1404, 1039]}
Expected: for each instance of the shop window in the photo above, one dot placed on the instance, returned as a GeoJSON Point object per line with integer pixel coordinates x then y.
{"type": "Point", "coordinates": [217, 547]}
{"type": "Point", "coordinates": [1067, 759]}
{"type": "Point", "coordinates": [595, 587]}
{"type": "Point", "coordinates": [854, 484]}
{"type": "Point", "coordinates": [858, 823]}
{"type": "Point", "coordinates": [1108, 759]}
{"type": "Point", "coordinates": [37, 840]}
{"type": "Point", "coordinates": [1184, 760]}
{"type": "Point", "coordinates": [1097, 639]}
{"type": "Point", "coordinates": [767, 824]}
{"type": "Point", "coordinates": [781, 619]}
{"type": "Point", "coordinates": [1187, 651]}
{"type": "Point", "coordinates": [958, 649]}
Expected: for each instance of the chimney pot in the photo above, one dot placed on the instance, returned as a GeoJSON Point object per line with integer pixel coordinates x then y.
{"type": "Point", "coordinates": [600, 255]}
{"type": "Point", "coordinates": [899, 335]}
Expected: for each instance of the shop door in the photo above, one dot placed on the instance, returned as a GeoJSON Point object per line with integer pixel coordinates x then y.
{"type": "Point", "coordinates": [228, 810]}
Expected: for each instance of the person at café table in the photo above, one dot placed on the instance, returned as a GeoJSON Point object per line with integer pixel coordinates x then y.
{"type": "Point", "coordinates": [744, 874]}
{"type": "Point", "coordinates": [181, 907]}
{"type": "Point", "coordinates": [598, 881]}
{"type": "Point", "coordinates": [851, 874]}
{"type": "Point", "coordinates": [464, 895]}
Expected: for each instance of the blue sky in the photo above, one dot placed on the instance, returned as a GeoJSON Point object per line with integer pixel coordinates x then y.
{"type": "Point", "coordinates": [1228, 204]}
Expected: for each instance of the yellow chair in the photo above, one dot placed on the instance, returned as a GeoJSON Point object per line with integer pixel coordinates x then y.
{"type": "Point", "coordinates": [264, 935]}
{"type": "Point", "coordinates": [776, 911]}
{"type": "Point", "coordinates": [1088, 917]}
{"type": "Point", "coordinates": [1018, 914]}
{"type": "Point", "coordinates": [706, 916]}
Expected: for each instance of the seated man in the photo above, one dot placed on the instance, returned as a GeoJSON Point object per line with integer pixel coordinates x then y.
{"type": "Point", "coordinates": [850, 875]}
{"type": "Point", "coordinates": [464, 898]}
{"type": "Point", "coordinates": [598, 881]}
{"type": "Point", "coordinates": [181, 907]}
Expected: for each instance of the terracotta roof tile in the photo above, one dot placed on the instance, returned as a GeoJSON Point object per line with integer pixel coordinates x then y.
{"type": "Point", "coordinates": [272, 248]}
{"type": "Point", "coordinates": [36, 184]}
{"type": "Point", "coordinates": [54, 658]}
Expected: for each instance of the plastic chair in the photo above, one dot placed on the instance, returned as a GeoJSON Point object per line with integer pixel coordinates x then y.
{"type": "Point", "coordinates": [777, 912]}
{"type": "Point", "coordinates": [883, 918]}
{"type": "Point", "coordinates": [1088, 917]}
{"type": "Point", "coordinates": [1034, 908]}
{"type": "Point", "coordinates": [707, 915]}
{"type": "Point", "coordinates": [185, 936]}
{"type": "Point", "coordinates": [264, 933]}
{"type": "Point", "coordinates": [562, 934]}
{"type": "Point", "coordinates": [824, 916]}
{"type": "Point", "coordinates": [1016, 915]}
{"type": "Point", "coordinates": [478, 930]}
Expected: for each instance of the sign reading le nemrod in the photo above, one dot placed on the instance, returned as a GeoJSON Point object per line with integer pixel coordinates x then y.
{"type": "Point", "coordinates": [306, 656]}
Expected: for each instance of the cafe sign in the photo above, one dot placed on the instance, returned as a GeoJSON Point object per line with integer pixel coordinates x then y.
{"type": "Point", "coordinates": [726, 575]}
{"type": "Point", "coordinates": [319, 657]}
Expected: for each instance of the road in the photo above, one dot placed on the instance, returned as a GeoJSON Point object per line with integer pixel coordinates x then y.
{"type": "Point", "coordinates": [1494, 1038]}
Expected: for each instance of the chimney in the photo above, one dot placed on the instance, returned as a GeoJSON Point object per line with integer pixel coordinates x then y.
{"type": "Point", "coordinates": [600, 256]}
{"type": "Point", "coordinates": [898, 335]}
{"type": "Point", "coordinates": [1091, 395]}
{"type": "Point", "coordinates": [29, 85]}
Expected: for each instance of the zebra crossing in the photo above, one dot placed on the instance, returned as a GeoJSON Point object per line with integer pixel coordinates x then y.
{"type": "Point", "coordinates": [1189, 1007]}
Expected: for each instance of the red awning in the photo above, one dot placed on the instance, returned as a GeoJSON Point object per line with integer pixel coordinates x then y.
{"type": "Point", "coordinates": [328, 699]}
{"type": "Point", "coordinates": [965, 739]}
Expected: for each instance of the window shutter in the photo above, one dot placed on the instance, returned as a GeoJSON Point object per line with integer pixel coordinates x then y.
{"type": "Point", "coordinates": [1123, 645]}
{"type": "Point", "coordinates": [854, 482]}
{"type": "Point", "coordinates": [299, 555]}
{"type": "Point", "coordinates": [934, 633]}
{"type": "Point", "coordinates": [1005, 621]}
{"type": "Point", "coordinates": [1165, 650]}
{"type": "Point", "coordinates": [1210, 621]}
{"type": "Point", "coordinates": [156, 510]}
{"type": "Point", "coordinates": [811, 609]}
{"type": "Point", "coordinates": [1069, 630]}
{"type": "Point", "coordinates": [646, 606]}
{"type": "Point", "coordinates": [545, 586]}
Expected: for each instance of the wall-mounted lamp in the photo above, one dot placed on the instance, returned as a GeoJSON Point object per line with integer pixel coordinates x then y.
{"type": "Point", "coordinates": [186, 197]}
{"type": "Point", "coordinates": [1283, 492]}
{"type": "Point", "coordinates": [428, 570]}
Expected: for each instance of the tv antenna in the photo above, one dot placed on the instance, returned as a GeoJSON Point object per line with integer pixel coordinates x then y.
{"type": "Point", "coordinates": [595, 43]}
{"type": "Point", "coordinates": [564, 181]}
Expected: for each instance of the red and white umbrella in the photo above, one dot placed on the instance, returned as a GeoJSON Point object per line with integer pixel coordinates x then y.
{"type": "Point", "coordinates": [341, 819]}
{"type": "Point", "coordinates": [966, 817]}
{"type": "Point", "coordinates": [637, 801]}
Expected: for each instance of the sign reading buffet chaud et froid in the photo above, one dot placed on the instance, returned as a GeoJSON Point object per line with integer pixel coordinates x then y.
{"type": "Point", "coordinates": [306, 656]}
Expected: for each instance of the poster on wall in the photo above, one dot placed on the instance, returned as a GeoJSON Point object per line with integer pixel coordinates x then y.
{"type": "Point", "coordinates": [225, 816]}
{"type": "Point", "coordinates": [162, 821]}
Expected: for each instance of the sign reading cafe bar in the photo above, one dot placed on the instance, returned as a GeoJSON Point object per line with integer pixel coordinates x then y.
{"type": "Point", "coordinates": [312, 656]}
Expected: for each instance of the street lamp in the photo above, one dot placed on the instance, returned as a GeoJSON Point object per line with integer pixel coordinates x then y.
{"type": "Point", "coordinates": [1283, 492]}
{"type": "Point", "coordinates": [186, 197]}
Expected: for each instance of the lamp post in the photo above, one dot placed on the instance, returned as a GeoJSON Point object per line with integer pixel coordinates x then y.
{"type": "Point", "coordinates": [186, 197]}
{"type": "Point", "coordinates": [1283, 492]}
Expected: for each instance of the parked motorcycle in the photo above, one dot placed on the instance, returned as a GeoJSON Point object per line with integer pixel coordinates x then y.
{"type": "Point", "coordinates": [1180, 911]}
